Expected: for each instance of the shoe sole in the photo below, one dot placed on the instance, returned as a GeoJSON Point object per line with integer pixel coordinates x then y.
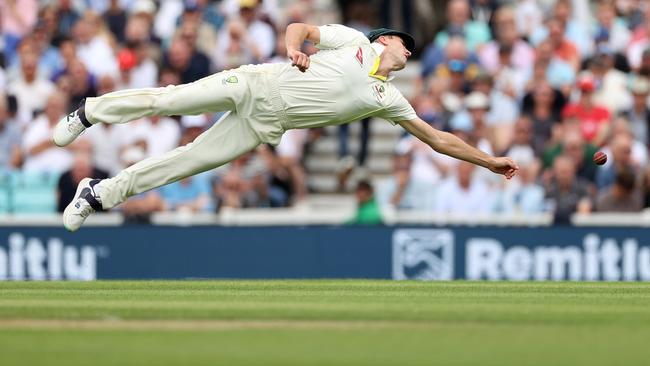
{"type": "Point", "coordinates": [70, 207]}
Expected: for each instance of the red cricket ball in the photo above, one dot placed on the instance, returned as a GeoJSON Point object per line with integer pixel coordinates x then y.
{"type": "Point", "coordinates": [600, 158]}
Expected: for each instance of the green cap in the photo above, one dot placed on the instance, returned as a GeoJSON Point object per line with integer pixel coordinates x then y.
{"type": "Point", "coordinates": [409, 42]}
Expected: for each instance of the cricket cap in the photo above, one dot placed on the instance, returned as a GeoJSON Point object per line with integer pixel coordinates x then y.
{"type": "Point", "coordinates": [409, 42]}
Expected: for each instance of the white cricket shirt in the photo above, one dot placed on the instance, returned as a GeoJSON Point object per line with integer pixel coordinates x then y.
{"type": "Point", "coordinates": [340, 85]}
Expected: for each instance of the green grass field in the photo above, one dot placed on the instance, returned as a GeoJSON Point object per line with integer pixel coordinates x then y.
{"type": "Point", "coordinates": [324, 323]}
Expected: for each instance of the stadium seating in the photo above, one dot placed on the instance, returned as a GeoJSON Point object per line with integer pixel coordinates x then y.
{"type": "Point", "coordinates": [28, 193]}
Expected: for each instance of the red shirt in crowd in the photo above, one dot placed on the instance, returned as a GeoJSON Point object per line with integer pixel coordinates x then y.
{"type": "Point", "coordinates": [591, 119]}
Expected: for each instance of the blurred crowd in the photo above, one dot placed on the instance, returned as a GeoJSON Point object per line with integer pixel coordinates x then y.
{"type": "Point", "coordinates": [547, 82]}
{"type": "Point", "coordinates": [55, 53]}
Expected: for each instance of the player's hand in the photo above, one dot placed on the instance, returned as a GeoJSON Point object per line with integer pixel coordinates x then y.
{"type": "Point", "coordinates": [505, 166]}
{"type": "Point", "coordinates": [298, 59]}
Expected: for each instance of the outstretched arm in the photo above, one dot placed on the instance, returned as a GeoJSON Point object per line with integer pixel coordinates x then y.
{"type": "Point", "coordinates": [297, 34]}
{"type": "Point", "coordinates": [448, 144]}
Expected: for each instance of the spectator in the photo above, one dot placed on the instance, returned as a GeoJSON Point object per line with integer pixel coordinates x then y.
{"type": "Point", "coordinates": [190, 194]}
{"type": "Point", "coordinates": [115, 18]}
{"type": "Point", "coordinates": [621, 159]}
{"type": "Point", "coordinates": [523, 196]}
{"type": "Point", "coordinates": [139, 208]}
{"type": "Point", "coordinates": [159, 134]}
{"type": "Point", "coordinates": [521, 148]}
{"type": "Point", "coordinates": [552, 69]}
{"type": "Point", "coordinates": [41, 155]}
{"type": "Point", "coordinates": [78, 83]}
{"type": "Point", "coordinates": [459, 24]}
{"type": "Point", "coordinates": [573, 145]}
{"type": "Point", "coordinates": [17, 19]}
{"type": "Point", "coordinates": [257, 35]}
{"type": "Point", "coordinates": [237, 49]}
{"type": "Point", "coordinates": [528, 16]}
{"type": "Point", "coordinates": [436, 60]}
{"type": "Point", "coordinates": [521, 55]}
{"type": "Point", "coordinates": [67, 16]}
{"type": "Point", "coordinates": [612, 91]}
{"type": "Point", "coordinates": [137, 69]}
{"type": "Point", "coordinates": [563, 48]}
{"type": "Point", "coordinates": [566, 192]}
{"type": "Point", "coordinates": [463, 194]}
{"type": "Point", "coordinates": [187, 62]}
{"type": "Point", "coordinates": [403, 192]}
{"type": "Point", "coordinates": [622, 196]}
{"type": "Point", "coordinates": [289, 152]}
{"type": "Point", "coordinates": [368, 212]}
{"type": "Point", "coordinates": [593, 119]}
{"type": "Point", "coordinates": [611, 30]}
{"type": "Point", "coordinates": [93, 49]}
{"type": "Point", "coordinates": [543, 106]}
{"type": "Point", "coordinates": [639, 43]}
{"type": "Point", "coordinates": [196, 31]}
{"type": "Point", "coordinates": [10, 137]}
{"type": "Point", "coordinates": [82, 167]}
{"type": "Point", "coordinates": [31, 90]}
{"type": "Point", "coordinates": [638, 114]}
{"type": "Point", "coordinates": [572, 28]}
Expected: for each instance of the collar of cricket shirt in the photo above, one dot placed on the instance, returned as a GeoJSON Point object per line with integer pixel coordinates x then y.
{"type": "Point", "coordinates": [378, 48]}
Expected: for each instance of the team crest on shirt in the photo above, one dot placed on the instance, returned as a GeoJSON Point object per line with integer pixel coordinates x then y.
{"type": "Point", "coordinates": [230, 80]}
{"type": "Point", "coordinates": [359, 56]}
{"type": "Point", "coordinates": [379, 91]}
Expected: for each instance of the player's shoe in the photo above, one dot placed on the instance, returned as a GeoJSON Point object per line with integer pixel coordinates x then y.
{"type": "Point", "coordinates": [85, 202]}
{"type": "Point", "coordinates": [70, 127]}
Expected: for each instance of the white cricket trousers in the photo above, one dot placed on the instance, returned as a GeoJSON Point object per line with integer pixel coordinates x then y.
{"type": "Point", "coordinates": [253, 119]}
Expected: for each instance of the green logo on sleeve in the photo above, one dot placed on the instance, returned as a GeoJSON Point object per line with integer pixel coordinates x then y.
{"type": "Point", "coordinates": [231, 79]}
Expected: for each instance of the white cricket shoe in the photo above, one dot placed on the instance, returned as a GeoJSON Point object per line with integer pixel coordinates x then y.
{"type": "Point", "coordinates": [68, 128]}
{"type": "Point", "coordinates": [85, 202]}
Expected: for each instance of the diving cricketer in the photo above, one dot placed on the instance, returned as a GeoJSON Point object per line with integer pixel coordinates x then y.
{"type": "Point", "coordinates": [347, 80]}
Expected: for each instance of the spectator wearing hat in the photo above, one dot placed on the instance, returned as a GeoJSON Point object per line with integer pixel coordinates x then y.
{"type": "Point", "coordinates": [593, 119]}
{"type": "Point", "coordinates": [459, 23]}
{"type": "Point", "coordinates": [504, 109]}
{"type": "Point", "coordinates": [638, 115]}
{"type": "Point", "coordinates": [612, 92]}
{"type": "Point", "coordinates": [257, 36]}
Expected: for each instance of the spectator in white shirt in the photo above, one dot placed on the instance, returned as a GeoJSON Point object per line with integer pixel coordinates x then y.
{"type": "Point", "coordinates": [30, 90]}
{"type": "Point", "coordinates": [462, 194]}
{"type": "Point", "coordinates": [41, 155]}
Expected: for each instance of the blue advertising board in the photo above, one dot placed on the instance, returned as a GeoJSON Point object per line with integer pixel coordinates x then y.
{"type": "Point", "coordinates": [426, 253]}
